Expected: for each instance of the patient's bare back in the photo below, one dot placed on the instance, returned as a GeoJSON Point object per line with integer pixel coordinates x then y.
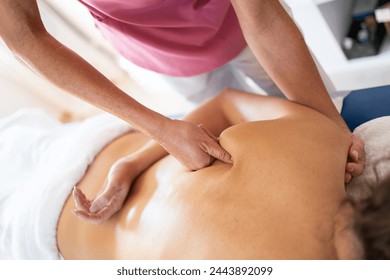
{"type": "Point", "coordinates": [277, 201]}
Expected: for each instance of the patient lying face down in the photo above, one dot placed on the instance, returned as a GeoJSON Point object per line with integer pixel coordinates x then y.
{"type": "Point", "coordinates": [283, 198]}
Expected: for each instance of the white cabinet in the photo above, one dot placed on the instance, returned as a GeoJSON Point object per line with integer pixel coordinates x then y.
{"type": "Point", "coordinates": [324, 23]}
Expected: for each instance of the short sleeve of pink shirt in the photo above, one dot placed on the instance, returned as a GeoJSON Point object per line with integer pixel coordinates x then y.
{"type": "Point", "coordinates": [173, 37]}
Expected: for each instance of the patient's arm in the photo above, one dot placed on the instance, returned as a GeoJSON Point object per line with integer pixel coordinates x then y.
{"type": "Point", "coordinates": [119, 180]}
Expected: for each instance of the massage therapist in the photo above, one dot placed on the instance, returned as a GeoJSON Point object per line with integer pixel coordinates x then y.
{"type": "Point", "coordinates": [183, 39]}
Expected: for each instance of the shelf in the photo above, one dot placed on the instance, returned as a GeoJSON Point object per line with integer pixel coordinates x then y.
{"type": "Point", "coordinates": [324, 25]}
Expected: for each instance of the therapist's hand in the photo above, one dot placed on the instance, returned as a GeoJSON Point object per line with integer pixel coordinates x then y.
{"type": "Point", "coordinates": [356, 159]}
{"type": "Point", "coordinates": [192, 145]}
{"type": "Point", "coordinates": [110, 201]}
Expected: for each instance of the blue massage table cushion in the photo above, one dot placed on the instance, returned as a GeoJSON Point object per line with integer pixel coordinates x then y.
{"type": "Point", "coordinates": [363, 105]}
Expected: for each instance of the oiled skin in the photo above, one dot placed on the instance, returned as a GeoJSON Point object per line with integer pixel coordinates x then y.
{"type": "Point", "coordinates": [279, 200]}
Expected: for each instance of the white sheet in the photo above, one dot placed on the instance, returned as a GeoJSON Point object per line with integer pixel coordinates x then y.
{"type": "Point", "coordinates": [40, 161]}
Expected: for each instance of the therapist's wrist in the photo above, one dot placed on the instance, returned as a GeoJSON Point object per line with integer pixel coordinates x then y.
{"type": "Point", "coordinates": [146, 120]}
{"type": "Point", "coordinates": [161, 129]}
{"type": "Point", "coordinates": [342, 124]}
{"type": "Point", "coordinates": [335, 116]}
{"type": "Point", "coordinates": [164, 132]}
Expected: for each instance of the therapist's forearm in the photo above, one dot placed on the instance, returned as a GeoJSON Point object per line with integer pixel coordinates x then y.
{"type": "Point", "coordinates": [280, 48]}
{"type": "Point", "coordinates": [73, 74]}
{"type": "Point", "coordinates": [22, 29]}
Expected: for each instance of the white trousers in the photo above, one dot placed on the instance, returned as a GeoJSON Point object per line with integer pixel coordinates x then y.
{"type": "Point", "coordinates": [243, 72]}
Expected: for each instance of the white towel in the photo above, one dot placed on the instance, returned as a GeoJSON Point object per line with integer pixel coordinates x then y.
{"type": "Point", "coordinates": [41, 160]}
{"type": "Point", "coordinates": [376, 136]}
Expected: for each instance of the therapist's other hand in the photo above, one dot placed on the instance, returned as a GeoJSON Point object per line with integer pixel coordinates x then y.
{"type": "Point", "coordinates": [356, 159]}
{"type": "Point", "coordinates": [192, 145]}
{"type": "Point", "coordinates": [110, 201]}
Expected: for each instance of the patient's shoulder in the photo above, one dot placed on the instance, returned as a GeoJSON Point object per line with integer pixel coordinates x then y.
{"type": "Point", "coordinates": [309, 137]}
{"type": "Point", "coordinates": [299, 123]}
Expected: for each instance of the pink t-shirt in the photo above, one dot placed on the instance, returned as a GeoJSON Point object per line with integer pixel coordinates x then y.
{"type": "Point", "coordinates": [173, 37]}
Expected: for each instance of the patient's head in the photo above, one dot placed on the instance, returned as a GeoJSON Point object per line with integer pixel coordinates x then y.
{"type": "Point", "coordinates": [373, 223]}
